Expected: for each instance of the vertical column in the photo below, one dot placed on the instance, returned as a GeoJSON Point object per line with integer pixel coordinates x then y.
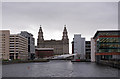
{"type": "Point", "coordinates": [92, 50]}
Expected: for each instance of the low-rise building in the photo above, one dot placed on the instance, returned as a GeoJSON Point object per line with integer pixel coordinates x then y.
{"type": "Point", "coordinates": [44, 52]}
{"type": "Point", "coordinates": [18, 47]}
{"type": "Point", "coordinates": [107, 45]}
{"type": "Point", "coordinates": [4, 44]}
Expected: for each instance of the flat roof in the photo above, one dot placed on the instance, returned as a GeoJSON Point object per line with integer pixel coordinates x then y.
{"type": "Point", "coordinates": [105, 31]}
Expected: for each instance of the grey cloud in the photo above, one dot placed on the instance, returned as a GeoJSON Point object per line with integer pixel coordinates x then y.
{"type": "Point", "coordinates": [81, 17]}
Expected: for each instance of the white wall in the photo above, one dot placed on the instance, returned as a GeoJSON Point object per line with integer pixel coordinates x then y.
{"type": "Point", "coordinates": [83, 47]}
{"type": "Point", "coordinates": [92, 50]}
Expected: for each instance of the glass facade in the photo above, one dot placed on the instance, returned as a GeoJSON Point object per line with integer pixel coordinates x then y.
{"type": "Point", "coordinates": [107, 45]}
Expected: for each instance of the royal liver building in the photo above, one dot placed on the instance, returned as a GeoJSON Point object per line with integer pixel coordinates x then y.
{"type": "Point", "coordinates": [60, 46]}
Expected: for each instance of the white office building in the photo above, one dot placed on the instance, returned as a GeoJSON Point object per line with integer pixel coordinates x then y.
{"type": "Point", "coordinates": [79, 46]}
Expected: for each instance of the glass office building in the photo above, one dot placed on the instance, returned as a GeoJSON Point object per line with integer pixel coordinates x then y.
{"type": "Point", "coordinates": [107, 45]}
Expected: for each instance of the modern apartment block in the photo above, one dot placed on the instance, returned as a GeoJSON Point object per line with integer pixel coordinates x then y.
{"type": "Point", "coordinates": [88, 50]}
{"type": "Point", "coordinates": [18, 47]}
{"type": "Point", "coordinates": [4, 44]}
{"type": "Point", "coordinates": [107, 45]}
{"type": "Point", "coordinates": [79, 46]}
{"type": "Point", "coordinates": [31, 44]}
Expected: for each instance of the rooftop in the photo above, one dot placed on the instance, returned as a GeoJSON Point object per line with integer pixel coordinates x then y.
{"type": "Point", "coordinates": [105, 31]}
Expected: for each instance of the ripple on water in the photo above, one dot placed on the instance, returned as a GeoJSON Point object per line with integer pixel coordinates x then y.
{"type": "Point", "coordinates": [58, 68]}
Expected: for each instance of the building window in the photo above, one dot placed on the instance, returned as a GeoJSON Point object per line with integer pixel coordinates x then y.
{"type": "Point", "coordinates": [11, 50]}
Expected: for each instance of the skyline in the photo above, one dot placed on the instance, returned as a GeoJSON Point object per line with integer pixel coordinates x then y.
{"type": "Point", "coordinates": [79, 18]}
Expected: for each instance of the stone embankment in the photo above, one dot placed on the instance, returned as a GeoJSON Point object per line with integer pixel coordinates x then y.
{"type": "Point", "coordinates": [23, 61]}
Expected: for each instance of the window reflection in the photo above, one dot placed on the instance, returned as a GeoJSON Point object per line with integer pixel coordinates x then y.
{"type": "Point", "coordinates": [108, 44]}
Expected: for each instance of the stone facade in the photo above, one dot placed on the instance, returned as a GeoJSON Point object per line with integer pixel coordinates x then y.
{"type": "Point", "coordinates": [44, 52]}
{"type": "Point", "coordinates": [60, 46]}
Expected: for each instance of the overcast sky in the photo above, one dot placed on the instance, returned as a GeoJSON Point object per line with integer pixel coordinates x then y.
{"type": "Point", "coordinates": [83, 18]}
